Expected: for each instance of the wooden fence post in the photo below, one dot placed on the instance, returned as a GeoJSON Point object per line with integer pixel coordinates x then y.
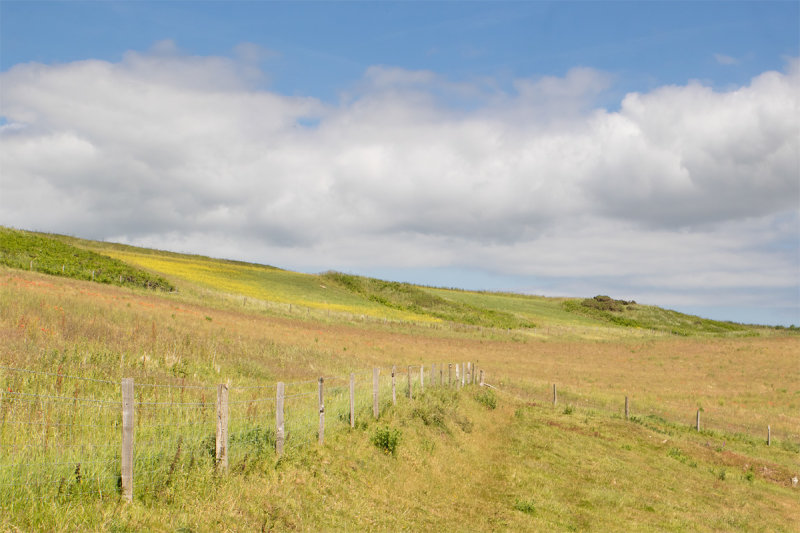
{"type": "Point", "coordinates": [375, 412]}
{"type": "Point", "coordinates": [441, 374]}
{"type": "Point", "coordinates": [280, 435]}
{"type": "Point", "coordinates": [421, 377]}
{"type": "Point", "coordinates": [469, 373]}
{"type": "Point", "coordinates": [769, 436]}
{"type": "Point", "coordinates": [555, 395]}
{"type": "Point", "coordinates": [352, 400]}
{"type": "Point", "coordinates": [126, 458]}
{"type": "Point", "coordinates": [627, 410]}
{"type": "Point", "coordinates": [697, 422]}
{"type": "Point", "coordinates": [222, 427]}
{"type": "Point", "coordinates": [408, 373]}
{"type": "Point", "coordinates": [481, 377]}
{"type": "Point", "coordinates": [463, 374]}
{"type": "Point", "coordinates": [449, 373]}
{"type": "Point", "coordinates": [321, 404]}
{"type": "Point", "coordinates": [394, 391]}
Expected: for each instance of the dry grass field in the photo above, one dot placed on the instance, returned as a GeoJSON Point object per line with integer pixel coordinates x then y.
{"type": "Point", "coordinates": [468, 459]}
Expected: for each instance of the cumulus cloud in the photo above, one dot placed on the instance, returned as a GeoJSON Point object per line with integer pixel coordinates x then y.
{"type": "Point", "coordinates": [683, 186]}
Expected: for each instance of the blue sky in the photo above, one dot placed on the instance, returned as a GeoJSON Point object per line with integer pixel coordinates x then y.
{"type": "Point", "coordinates": [642, 149]}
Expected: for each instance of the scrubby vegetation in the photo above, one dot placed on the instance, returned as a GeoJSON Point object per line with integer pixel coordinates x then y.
{"type": "Point", "coordinates": [407, 297]}
{"type": "Point", "coordinates": [43, 253]}
{"type": "Point", "coordinates": [629, 314]}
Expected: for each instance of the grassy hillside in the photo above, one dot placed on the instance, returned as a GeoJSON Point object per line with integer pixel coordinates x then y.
{"type": "Point", "coordinates": [50, 255]}
{"type": "Point", "coordinates": [633, 315]}
{"type": "Point", "coordinates": [487, 459]}
{"type": "Point", "coordinates": [416, 300]}
{"type": "Point", "coordinates": [348, 296]}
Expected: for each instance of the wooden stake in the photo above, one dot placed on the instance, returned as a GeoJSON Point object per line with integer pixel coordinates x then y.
{"type": "Point", "coordinates": [555, 395]}
{"type": "Point", "coordinates": [463, 373]}
{"type": "Point", "coordinates": [222, 427]}
{"type": "Point", "coordinates": [375, 392]}
{"type": "Point", "coordinates": [449, 373]}
{"type": "Point", "coordinates": [126, 458]}
{"type": "Point", "coordinates": [394, 391]}
{"type": "Point", "coordinates": [321, 404]}
{"type": "Point", "coordinates": [697, 423]}
{"type": "Point", "coordinates": [627, 411]}
{"type": "Point", "coordinates": [421, 377]}
{"type": "Point", "coordinates": [280, 435]}
{"type": "Point", "coordinates": [769, 436]}
{"type": "Point", "coordinates": [481, 378]}
{"type": "Point", "coordinates": [352, 400]}
{"type": "Point", "coordinates": [408, 373]}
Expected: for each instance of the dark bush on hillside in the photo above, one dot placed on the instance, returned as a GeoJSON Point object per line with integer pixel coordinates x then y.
{"type": "Point", "coordinates": [606, 303]}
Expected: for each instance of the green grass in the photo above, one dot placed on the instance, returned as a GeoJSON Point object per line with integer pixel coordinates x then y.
{"type": "Point", "coordinates": [633, 315]}
{"type": "Point", "coordinates": [413, 299]}
{"type": "Point", "coordinates": [43, 253]}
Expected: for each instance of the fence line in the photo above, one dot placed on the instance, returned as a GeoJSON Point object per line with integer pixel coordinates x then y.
{"type": "Point", "coordinates": [141, 433]}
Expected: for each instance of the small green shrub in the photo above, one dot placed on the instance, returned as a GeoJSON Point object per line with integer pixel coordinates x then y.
{"type": "Point", "coordinates": [526, 506]}
{"type": "Point", "coordinates": [568, 410]}
{"type": "Point", "coordinates": [487, 398]}
{"type": "Point", "coordinates": [387, 439]}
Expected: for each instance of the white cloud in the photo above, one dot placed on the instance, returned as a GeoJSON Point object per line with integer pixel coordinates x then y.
{"type": "Point", "coordinates": [723, 59]}
{"type": "Point", "coordinates": [682, 187]}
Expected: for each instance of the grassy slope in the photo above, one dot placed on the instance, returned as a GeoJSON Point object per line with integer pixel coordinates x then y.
{"type": "Point", "coordinates": [356, 295]}
{"type": "Point", "coordinates": [523, 466]}
{"type": "Point", "coordinates": [51, 255]}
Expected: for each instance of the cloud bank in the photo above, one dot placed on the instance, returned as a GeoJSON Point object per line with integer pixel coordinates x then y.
{"type": "Point", "coordinates": [682, 194]}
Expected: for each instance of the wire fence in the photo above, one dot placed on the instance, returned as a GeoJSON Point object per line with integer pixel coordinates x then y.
{"type": "Point", "coordinates": [781, 429]}
{"type": "Point", "coordinates": [65, 434]}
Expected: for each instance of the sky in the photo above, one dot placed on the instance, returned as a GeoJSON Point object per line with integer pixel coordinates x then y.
{"type": "Point", "coordinates": [645, 150]}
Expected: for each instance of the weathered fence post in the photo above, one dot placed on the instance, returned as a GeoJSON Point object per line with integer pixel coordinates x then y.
{"type": "Point", "coordinates": [375, 412]}
{"type": "Point", "coordinates": [449, 373]}
{"type": "Point", "coordinates": [126, 457]}
{"type": "Point", "coordinates": [555, 395]}
{"type": "Point", "coordinates": [463, 374]}
{"type": "Point", "coordinates": [421, 377]}
{"type": "Point", "coordinates": [352, 400]}
{"type": "Point", "coordinates": [433, 374]}
{"type": "Point", "coordinates": [769, 436]}
{"type": "Point", "coordinates": [222, 427]}
{"type": "Point", "coordinates": [394, 391]}
{"type": "Point", "coordinates": [321, 404]}
{"type": "Point", "coordinates": [408, 373]}
{"type": "Point", "coordinates": [627, 410]}
{"type": "Point", "coordinates": [481, 377]}
{"type": "Point", "coordinates": [458, 383]}
{"type": "Point", "coordinates": [441, 374]}
{"type": "Point", "coordinates": [697, 422]}
{"type": "Point", "coordinates": [280, 435]}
